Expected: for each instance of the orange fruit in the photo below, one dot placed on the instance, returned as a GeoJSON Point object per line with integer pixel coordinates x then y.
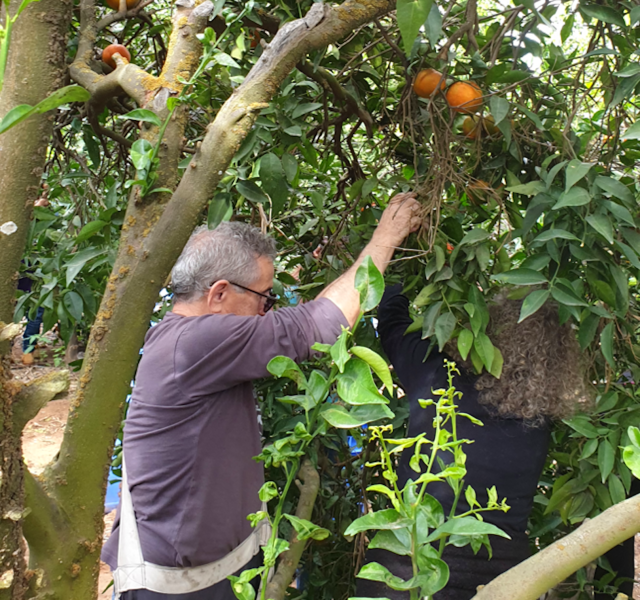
{"type": "Point", "coordinates": [472, 124]}
{"type": "Point", "coordinates": [109, 51]}
{"type": "Point", "coordinates": [426, 82]}
{"type": "Point", "coordinates": [464, 97]}
{"type": "Point", "coordinates": [115, 4]}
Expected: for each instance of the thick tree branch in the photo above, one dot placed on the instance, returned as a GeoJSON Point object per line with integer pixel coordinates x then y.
{"type": "Point", "coordinates": [532, 578]}
{"type": "Point", "coordinates": [289, 560]}
{"type": "Point", "coordinates": [34, 395]}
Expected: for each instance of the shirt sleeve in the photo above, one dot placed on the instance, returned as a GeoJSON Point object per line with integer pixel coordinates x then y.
{"type": "Point", "coordinates": [407, 353]}
{"type": "Point", "coordinates": [218, 352]}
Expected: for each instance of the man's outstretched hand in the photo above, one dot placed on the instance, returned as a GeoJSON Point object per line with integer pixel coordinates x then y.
{"type": "Point", "coordinates": [400, 218]}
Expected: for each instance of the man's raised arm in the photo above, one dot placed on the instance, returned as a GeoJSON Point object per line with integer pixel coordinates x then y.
{"type": "Point", "coordinates": [400, 218]}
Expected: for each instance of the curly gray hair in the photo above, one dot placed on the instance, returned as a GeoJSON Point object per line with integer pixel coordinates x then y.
{"type": "Point", "coordinates": [228, 252]}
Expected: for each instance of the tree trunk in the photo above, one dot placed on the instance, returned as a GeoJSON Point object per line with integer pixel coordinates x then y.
{"type": "Point", "coordinates": [36, 67]}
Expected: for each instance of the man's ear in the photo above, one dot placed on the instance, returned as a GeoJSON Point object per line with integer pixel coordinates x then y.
{"type": "Point", "coordinates": [217, 295]}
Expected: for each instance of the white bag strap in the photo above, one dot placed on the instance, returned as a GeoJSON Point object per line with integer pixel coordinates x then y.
{"type": "Point", "coordinates": [134, 572]}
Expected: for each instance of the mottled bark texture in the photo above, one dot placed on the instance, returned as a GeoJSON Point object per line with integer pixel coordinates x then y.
{"type": "Point", "coordinates": [36, 67]}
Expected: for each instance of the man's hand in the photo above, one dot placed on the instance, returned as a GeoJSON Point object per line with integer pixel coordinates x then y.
{"type": "Point", "coordinates": [400, 218]}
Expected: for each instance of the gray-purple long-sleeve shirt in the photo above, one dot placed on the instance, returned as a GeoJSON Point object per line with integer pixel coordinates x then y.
{"type": "Point", "coordinates": [192, 429]}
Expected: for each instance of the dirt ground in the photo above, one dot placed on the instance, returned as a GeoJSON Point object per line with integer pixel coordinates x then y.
{"type": "Point", "coordinates": [43, 435]}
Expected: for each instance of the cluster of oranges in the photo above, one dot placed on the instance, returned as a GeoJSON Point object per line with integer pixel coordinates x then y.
{"type": "Point", "coordinates": [463, 97]}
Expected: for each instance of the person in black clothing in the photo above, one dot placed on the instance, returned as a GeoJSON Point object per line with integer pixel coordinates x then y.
{"type": "Point", "coordinates": [540, 380]}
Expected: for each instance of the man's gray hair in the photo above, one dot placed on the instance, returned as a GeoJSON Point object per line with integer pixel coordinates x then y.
{"type": "Point", "coordinates": [230, 251]}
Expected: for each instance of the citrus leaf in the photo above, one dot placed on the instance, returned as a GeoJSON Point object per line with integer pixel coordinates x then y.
{"type": "Point", "coordinates": [369, 283]}
{"type": "Point", "coordinates": [521, 277]}
{"type": "Point", "coordinates": [377, 363]}
{"type": "Point", "coordinates": [532, 303]}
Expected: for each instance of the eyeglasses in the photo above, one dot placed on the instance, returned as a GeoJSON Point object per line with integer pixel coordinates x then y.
{"type": "Point", "coordinates": [269, 301]}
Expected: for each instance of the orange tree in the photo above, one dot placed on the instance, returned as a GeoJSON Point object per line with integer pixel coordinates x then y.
{"type": "Point", "coordinates": [300, 117]}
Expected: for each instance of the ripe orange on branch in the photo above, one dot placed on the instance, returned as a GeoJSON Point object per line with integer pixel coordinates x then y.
{"type": "Point", "coordinates": [109, 51]}
{"type": "Point", "coordinates": [115, 4]}
{"type": "Point", "coordinates": [464, 97]}
{"type": "Point", "coordinates": [427, 81]}
{"type": "Point", "coordinates": [473, 124]}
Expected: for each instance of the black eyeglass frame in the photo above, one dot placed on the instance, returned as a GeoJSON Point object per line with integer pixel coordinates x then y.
{"type": "Point", "coordinates": [270, 299]}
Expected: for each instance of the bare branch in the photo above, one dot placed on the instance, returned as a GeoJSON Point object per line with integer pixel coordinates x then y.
{"type": "Point", "coordinates": [289, 560]}
{"type": "Point", "coordinates": [533, 577]}
{"type": "Point", "coordinates": [35, 394]}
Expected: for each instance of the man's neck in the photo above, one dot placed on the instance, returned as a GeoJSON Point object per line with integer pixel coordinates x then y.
{"type": "Point", "coordinates": [197, 308]}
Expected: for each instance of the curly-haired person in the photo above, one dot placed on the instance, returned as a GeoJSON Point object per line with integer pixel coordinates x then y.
{"type": "Point", "coordinates": [541, 380]}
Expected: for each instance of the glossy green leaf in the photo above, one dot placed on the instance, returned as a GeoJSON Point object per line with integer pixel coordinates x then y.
{"type": "Point", "coordinates": [465, 342]}
{"type": "Point", "coordinates": [381, 519]}
{"type": "Point", "coordinates": [567, 297]}
{"type": "Point", "coordinates": [444, 327]}
{"type": "Point", "coordinates": [339, 352]}
{"type": "Point", "coordinates": [469, 526]}
{"type": "Point", "coordinates": [602, 13]}
{"type": "Point", "coordinates": [575, 171]}
{"type": "Point", "coordinates": [554, 234]}
{"type": "Point", "coordinates": [615, 188]}
{"type": "Point", "coordinates": [485, 349]}
{"type": "Point", "coordinates": [411, 15]}
{"type": "Point", "coordinates": [251, 191]}
{"type": "Point", "coordinates": [73, 303]}
{"type": "Point", "coordinates": [340, 417]}
{"type": "Point", "coordinates": [369, 283]}
{"type": "Point", "coordinates": [474, 236]}
{"type": "Point", "coordinates": [532, 303]}
{"type": "Point", "coordinates": [274, 181]}
{"type": "Point", "coordinates": [576, 196]}
{"type": "Point", "coordinates": [356, 385]}
{"type": "Point", "coordinates": [283, 366]}
{"type": "Point", "coordinates": [602, 224]}
{"type": "Point", "coordinates": [90, 229]}
{"type": "Point", "coordinates": [521, 277]}
{"type": "Point", "coordinates": [377, 363]}
{"type": "Point", "coordinates": [499, 108]}
{"type": "Point", "coordinates": [606, 344]}
{"type": "Point", "coordinates": [306, 530]}
{"type": "Point", "coordinates": [387, 540]}
{"type": "Point", "coordinates": [587, 331]}
{"type": "Point", "coordinates": [142, 114]}
{"type": "Point", "coordinates": [78, 260]}
{"type": "Point", "coordinates": [606, 458]}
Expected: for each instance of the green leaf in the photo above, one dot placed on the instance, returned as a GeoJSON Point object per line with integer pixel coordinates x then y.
{"type": "Point", "coordinates": [303, 109]}
{"type": "Point", "coordinates": [268, 491]}
{"type": "Point", "coordinates": [603, 13]}
{"type": "Point", "coordinates": [587, 331]}
{"type": "Point", "coordinates": [576, 170]}
{"type": "Point", "coordinates": [377, 363]}
{"type": "Point", "coordinates": [444, 327]}
{"type": "Point", "coordinates": [433, 26]}
{"type": "Point", "coordinates": [388, 540]}
{"type": "Point", "coordinates": [465, 342]}
{"type": "Point", "coordinates": [90, 229]}
{"type": "Point", "coordinates": [554, 234]}
{"type": "Point", "coordinates": [382, 519]}
{"type": "Point", "coordinates": [78, 260]}
{"type": "Point", "coordinates": [411, 15]}
{"type": "Point", "coordinates": [220, 210]}
{"type": "Point", "coordinates": [497, 363]}
{"type": "Point", "coordinates": [576, 196]}
{"type": "Point", "coordinates": [521, 277]}
{"type": "Point", "coordinates": [619, 212]}
{"type": "Point", "coordinates": [616, 489]}
{"type": "Point", "coordinates": [485, 349]}
{"type": "Point", "coordinates": [306, 529]}
{"type": "Point", "coordinates": [532, 303]}
{"type": "Point", "coordinates": [499, 108]}
{"type": "Point", "coordinates": [631, 458]}
{"type": "Point", "coordinates": [615, 188]}
{"type": "Point", "coordinates": [369, 283]}
{"type": "Point", "coordinates": [356, 385]}
{"type": "Point", "coordinates": [633, 133]}
{"type": "Point", "coordinates": [566, 297]}
{"type": "Point", "coordinates": [73, 303]}
{"type": "Point", "coordinates": [274, 181]}
{"type": "Point", "coordinates": [528, 189]}
{"type": "Point", "coordinates": [606, 458]}
{"type": "Point", "coordinates": [339, 352]}
{"type": "Point", "coordinates": [283, 366]}
{"type": "Point", "coordinates": [606, 344]}
{"type": "Point", "coordinates": [565, 32]}
{"type": "Point", "coordinates": [602, 224]}
{"type": "Point", "coordinates": [251, 191]}
{"type": "Point", "coordinates": [141, 153]}
{"type": "Point", "coordinates": [222, 58]}
{"type": "Point", "coordinates": [340, 417]}
{"type": "Point", "coordinates": [468, 526]}
{"type": "Point", "coordinates": [290, 167]}
{"type": "Point", "coordinates": [142, 114]}
{"type": "Point", "coordinates": [634, 436]}
{"type": "Point", "coordinates": [64, 95]}
{"type": "Point", "coordinates": [474, 236]}
{"type": "Point", "coordinates": [582, 425]}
